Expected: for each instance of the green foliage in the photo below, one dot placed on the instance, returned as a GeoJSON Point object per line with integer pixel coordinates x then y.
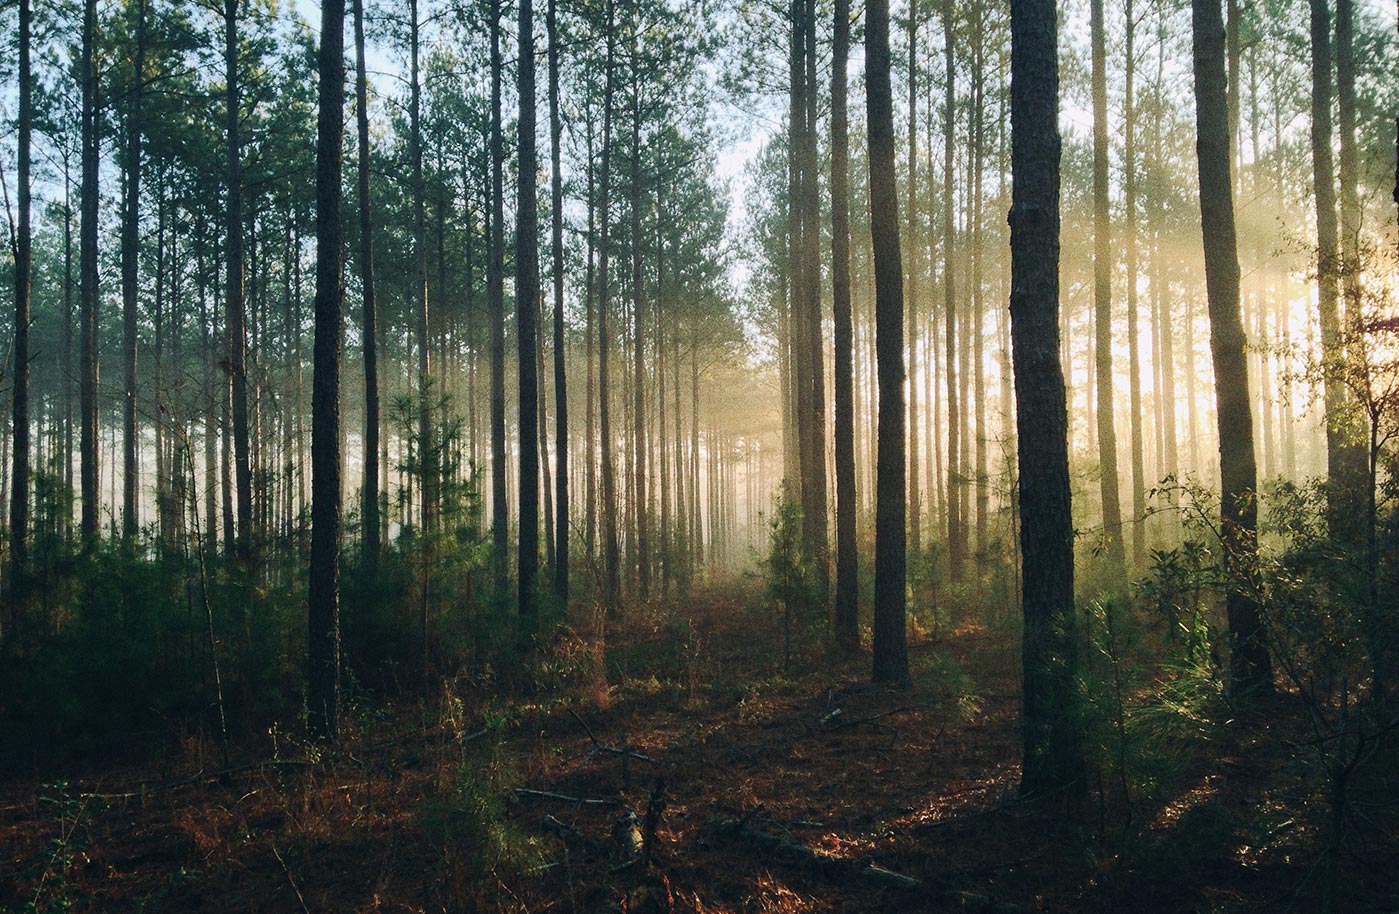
{"type": "Point", "coordinates": [792, 584]}
{"type": "Point", "coordinates": [67, 815]}
{"type": "Point", "coordinates": [471, 830]}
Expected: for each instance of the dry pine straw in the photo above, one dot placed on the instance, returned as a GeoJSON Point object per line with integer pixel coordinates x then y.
{"type": "Point", "coordinates": [907, 779]}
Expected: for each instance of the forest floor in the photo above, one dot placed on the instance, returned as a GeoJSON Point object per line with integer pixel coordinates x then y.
{"type": "Point", "coordinates": [412, 812]}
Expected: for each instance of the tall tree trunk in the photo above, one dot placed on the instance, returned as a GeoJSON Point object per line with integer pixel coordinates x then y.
{"type": "Point", "coordinates": [89, 302]}
{"type": "Point", "coordinates": [915, 510]}
{"type": "Point", "coordinates": [427, 449]}
{"type": "Point", "coordinates": [847, 610]}
{"type": "Point", "coordinates": [641, 501]}
{"type": "Point", "coordinates": [956, 531]}
{"type": "Point", "coordinates": [611, 597]}
{"type": "Point", "coordinates": [1102, 295]}
{"type": "Point", "coordinates": [1342, 509]}
{"type": "Point", "coordinates": [130, 260]}
{"type": "Point", "coordinates": [235, 309]}
{"type": "Point", "coordinates": [19, 489]}
{"type": "Point", "coordinates": [495, 293]}
{"type": "Point", "coordinates": [368, 308]}
{"type": "Point", "coordinates": [589, 332]}
{"type": "Point", "coordinates": [814, 468]}
{"type": "Point", "coordinates": [1054, 755]}
{"type": "Point", "coordinates": [978, 311]}
{"type": "Point", "coordinates": [890, 580]}
{"type": "Point", "coordinates": [323, 679]}
{"type": "Point", "coordinates": [1129, 193]}
{"type": "Point", "coordinates": [560, 374]}
{"type": "Point", "coordinates": [1238, 476]}
{"type": "Point", "coordinates": [526, 327]}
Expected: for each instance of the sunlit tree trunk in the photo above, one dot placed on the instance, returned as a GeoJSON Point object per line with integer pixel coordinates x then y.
{"type": "Point", "coordinates": [915, 529]}
{"type": "Point", "coordinates": [847, 619]}
{"type": "Point", "coordinates": [495, 293]}
{"type": "Point", "coordinates": [1134, 381]}
{"type": "Point", "coordinates": [560, 374]}
{"type": "Point", "coordinates": [130, 255]}
{"type": "Point", "coordinates": [235, 309]}
{"type": "Point", "coordinates": [956, 532]}
{"type": "Point", "coordinates": [1102, 294]}
{"type": "Point", "coordinates": [1342, 510]}
{"type": "Point", "coordinates": [611, 596]}
{"type": "Point", "coordinates": [1238, 475]}
{"type": "Point", "coordinates": [369, 307]}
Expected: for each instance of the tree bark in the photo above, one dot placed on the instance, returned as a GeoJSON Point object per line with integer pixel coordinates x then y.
{"type": "Point", "coordinates": [847, 610]}
{"type": "Point", "coordinates": [1102, 295]}
{"type": "Point", "coordinates": [88, 279]}
{"type": "Point", "coordinates": [23, 251]}
{"type": "Point", "coordinates": [560, 374]}
{"type": "Point", "coordinates": [1054, 755]}
{"type": "Point", "coordinates": [915, 510]}
{"type": "Point", "coordinates": [526, 328]}
{"type": "Point", "coordinates": [369, 309]}
{"type": "Point", "coordinates": [130, 275]}
{"type": "Point", "coordinates": [323, 692]}
{"type": "Point", "coordinates": [235, 309]}
{"type": "Point", "coordinates": [1343, 508]}
{"type": "Point", "coordinates": [1250, 667]}
{"type": "Point", "coordinates": [495, 293]}
{"type": "Point", "coordinates": [890, 580]}
{"type": "Point", "coordinates": [956, 531]}
{"type": "Point", "coordinates": [1129, 194]}
{"type": "Point", "coordinates": [611, 596]}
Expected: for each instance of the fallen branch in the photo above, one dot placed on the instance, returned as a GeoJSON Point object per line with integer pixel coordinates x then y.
{"type": "Point", "coordinates": [292, 879]}
{"type": "Point", "coordinates": [197, 778]}
{"type": "Point", "coordinates": [570, 834]}
{"type": "Point", "coordinates": [844, 869]}
{"type": "Point", "coordinates": [834, 720]}
{"type": "Point", "coordinates": [564, 798]}
{"type": "Point", "coordinates": [625, 753]}
{"type": "Point", "coordinates": [828, 865]}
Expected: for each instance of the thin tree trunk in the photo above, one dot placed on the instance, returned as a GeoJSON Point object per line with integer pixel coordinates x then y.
{"type": "Point", "coordinates": [640, 501]}
{"type": "Point", "coordinates": [915, 510]}
{"type": "Point", "coordinates": [611, 597]}
{"type": "Point", "coordinates": [1129, 192]}
{"type": "Point", "coordinates": [956, 533]}
{"type": "Point", "coordinates": [323, 693]}
{"type": "Point", "coordinates": [1102, 296]}
{"type": "Point", "coordinates": [526, 327]}
{"type": "Point", "coordinates": [1343, 509]}
{"type": "Point", "coordinates": [495, 292]}
{"type": "Point", "coordinates": [130, 259]}
{"type": "Point", "coordinates": [23, 252]}
{"type": "Point", "coordinates": [369, 333]}
{"type": "Point", "coordinates": [847, 610]}
{"type": "Point", "coordinates": [89, 302]}
{"type": "Point", "coordinates": [1250, 663]}
{"type": "Point", "coordinates": [560, 373]}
